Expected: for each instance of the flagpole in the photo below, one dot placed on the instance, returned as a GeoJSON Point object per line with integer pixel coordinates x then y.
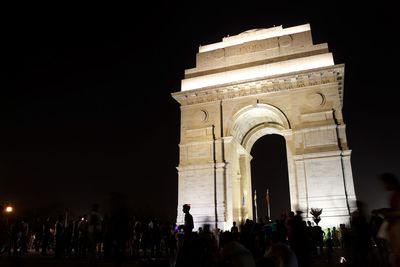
{"type": "Point", "coordinates": [255, 204]}
{"type": "Point", "coordinates": [268, 207]}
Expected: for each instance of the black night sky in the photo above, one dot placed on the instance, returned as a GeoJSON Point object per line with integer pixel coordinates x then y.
{"type": "Point", "coordinates": [87, 107]}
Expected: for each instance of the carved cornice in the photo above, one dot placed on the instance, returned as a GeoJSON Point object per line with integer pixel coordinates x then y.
{"type": "Point", "coordinates": [272, 84]}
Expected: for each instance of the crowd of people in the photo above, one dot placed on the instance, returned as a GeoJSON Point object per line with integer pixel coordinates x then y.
{"type": "Point", "coordinates": [287, 241]}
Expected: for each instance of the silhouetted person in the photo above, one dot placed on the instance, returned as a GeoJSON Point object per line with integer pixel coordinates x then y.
{"type": "Point", "coordinates": [209, 246]}
{"type": "Point", "coordinates": [24, 237]}
{"type": "Point", "coordinates": [360, 235]}
{"type": "Point", "coordinates": [59, 237]}
{"type": "Point", "coordinates": [15, 230]}
{"type": "Point", "coordinates": [300, 242]}
{"type": "Point", "coordinates": [75, 235]}
{"type": "Point", "coordinates": [329, 245]}
{"type": "Point", "coordinates": [335, 237]}
{"type": "Point", "coordinates": [281, 254]}
{"type": "Point", "coordinates": [375, 222]}
{"type": "Point", "coordinates": [119, 227]}
{"type": "Point", "coordinates": [83, 236]}
{"type": "Point", "coordinates": [281, 230]}
{"type": "Point", "coordinates": [318, 238]}
{"type": "Point", "coordinates": [188, 226]}
{"type": "Point", "coordinates": [46, 235]}
{"type": "Point", "coordinates": [235, 231]}
{"type": "Point", "coordinates": [94, 233]}
{"type": "Point", "coordinates": [234, 253]}
{"type": "Point", "coordinates": [69, 229]}
{"type": "Point", "coordinates": [392, 214]}
{"type": "Point", "coordinates": [107, 237]}
{"type": "Point", "coordinates": [190, 253]}
{"type": "Point", "coordinates": [38, 232]}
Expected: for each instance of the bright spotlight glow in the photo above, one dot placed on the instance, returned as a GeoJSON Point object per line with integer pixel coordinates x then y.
{"type": "Point", "coordinates": [9, 209]}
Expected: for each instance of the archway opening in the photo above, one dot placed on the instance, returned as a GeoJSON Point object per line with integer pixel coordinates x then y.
{"type": "Point", "coordinates": [269, 170]}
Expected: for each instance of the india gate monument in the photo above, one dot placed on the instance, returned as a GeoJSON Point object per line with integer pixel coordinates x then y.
{"type": "Point", "coordinates": [256, 83]}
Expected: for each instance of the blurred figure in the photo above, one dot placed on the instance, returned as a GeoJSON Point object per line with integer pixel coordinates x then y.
{"type": "Point", "coordinates": [380, 242]}
{"type": "Point", "coordinates": [360, 235]}
{"type": "Point", "coordinates": [329, 245]}
{"type": "Point", "coordinates": [282, 255]}
{"type": "Point", "coordinates": [94, 233]}
{"type": "Point", "coordinates": [83, 236]}
{"type": "Point", "coordinates": [119, 226]}
{"type": "Point", "coordinates": [392, 214]}
{"type": "Point", "coordinates": [46, 236]}
{"type": "Point", "coordinates": [234, 253]}
{"type": "Point", "coordinates": [68, 232]}
{"type": "Point", "coordinates": [59, 237]}
{"type": "Point", "coordinates": [335, 237]}
{"type": "Point", "coordinates": [235, 231]}
{"type": "Point", "coordinates": [75, 235]}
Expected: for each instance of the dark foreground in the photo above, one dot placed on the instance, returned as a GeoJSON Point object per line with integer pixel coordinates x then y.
{"type": "Point", "coordinates": [36, 260]}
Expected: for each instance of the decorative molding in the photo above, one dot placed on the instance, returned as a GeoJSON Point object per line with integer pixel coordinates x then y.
{"type": "Point", "coordinates": [316, 77]}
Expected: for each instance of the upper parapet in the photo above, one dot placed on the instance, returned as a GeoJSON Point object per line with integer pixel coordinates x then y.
{"type": "Point", "coordinates": [255, 35]}
{"type": "Point", "coordinates": [259, 52]}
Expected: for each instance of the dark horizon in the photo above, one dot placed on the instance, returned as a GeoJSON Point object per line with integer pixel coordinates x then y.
{"type": "Point", "coordinates": [88, 107]}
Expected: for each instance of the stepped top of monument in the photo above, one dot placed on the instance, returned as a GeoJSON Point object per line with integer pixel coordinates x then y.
{"type": "Point", "coordinates": [254, 35]}
{"type": "Point", "coordinates": [257, 54]}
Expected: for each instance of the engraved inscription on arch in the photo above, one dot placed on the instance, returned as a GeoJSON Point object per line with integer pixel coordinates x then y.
{"type": "Point", "coordinates": [199, 151]}
{"type": "Point", "coordinates": [320, 136]}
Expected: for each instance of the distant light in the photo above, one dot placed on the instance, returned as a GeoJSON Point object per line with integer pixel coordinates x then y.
{"type": "Point", "coordinates": [9, 209]}
{"type": "Point", "coordinates": [342, 260]}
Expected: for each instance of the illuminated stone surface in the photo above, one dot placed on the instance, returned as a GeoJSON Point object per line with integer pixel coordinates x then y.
{"type": "Point", "coordinates": [264, 81]}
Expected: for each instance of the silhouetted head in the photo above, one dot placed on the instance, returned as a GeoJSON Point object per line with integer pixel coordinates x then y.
{"type": "Point", "coordinates": [186, 208]}
{"type": "Point", "coordinates": [226, 237]}
{"type": "Point", "coordinates": [360, 205]}
{"type": "Point", "coordinates": [299, 212]}
{"type": "Point", "coordinates": [95, 207]}
{"type": "Point", "coordinates": [390, 181]}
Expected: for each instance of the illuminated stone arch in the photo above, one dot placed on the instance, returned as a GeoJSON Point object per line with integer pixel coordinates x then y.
{"type": "Point", "coordinates": [248, 125]}
{"type": "Point", "coordinates": [268, 81]}
{"type": "Point", "coordinates": [252, 118]}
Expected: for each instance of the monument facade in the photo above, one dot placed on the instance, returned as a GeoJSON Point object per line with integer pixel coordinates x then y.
{"type": "Point", "coordinates": [260, 82]}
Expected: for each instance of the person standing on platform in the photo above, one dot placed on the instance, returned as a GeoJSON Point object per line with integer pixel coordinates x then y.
{"type": "Point", "coordinates": [189, 225]}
